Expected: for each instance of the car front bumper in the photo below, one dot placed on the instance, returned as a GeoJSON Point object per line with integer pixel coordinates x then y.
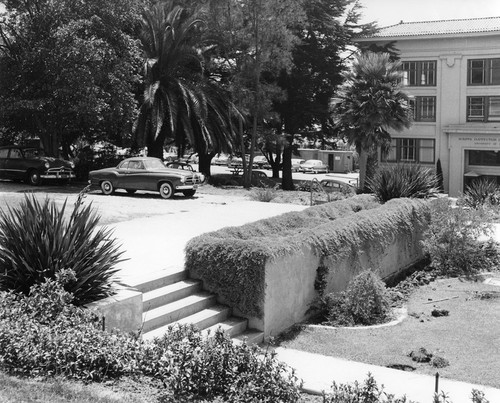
{"type": "Point", "coordinates": [186, 187]}
{"type": "Point", "coordinates": [58, 175]}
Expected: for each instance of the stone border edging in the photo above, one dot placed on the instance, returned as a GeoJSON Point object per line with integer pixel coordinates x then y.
{"type": "Point", "coordinates": [400, 313]}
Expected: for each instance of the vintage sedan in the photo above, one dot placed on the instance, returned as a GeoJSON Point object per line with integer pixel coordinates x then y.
{"type": "Point", "coordinates": [314, 166]}
{"type": "Point", "coordinates": [30, 164]}
{"type": "Point", "coordinates": [334, 185]}
{"type": "Point", "coordinates": [146, 173]}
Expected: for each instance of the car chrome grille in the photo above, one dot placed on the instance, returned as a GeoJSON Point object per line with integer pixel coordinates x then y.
{"type": "Point", "coordinates": [192, 180]}
{"type": "Point", "coordinates": [60, 170]}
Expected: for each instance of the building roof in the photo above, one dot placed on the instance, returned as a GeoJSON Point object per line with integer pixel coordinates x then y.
{"type": "Point", "coordinates": [439, 28]}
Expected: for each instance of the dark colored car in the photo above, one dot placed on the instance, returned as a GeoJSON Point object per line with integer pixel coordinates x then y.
{"type": "Point", "coordinates": [260, 179]}
{"type": "Point", "coordinates": [334, 185]}
{"type": "Point", "coordinates": [146, 173]}
{"type": "Point", "coordinates": [31, 165]}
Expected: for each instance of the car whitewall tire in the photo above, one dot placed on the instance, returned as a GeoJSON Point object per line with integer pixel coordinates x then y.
{"type": "Point", "coordinates": [107, 187]}
{"type": "Point", "coordinates": [166, 190]}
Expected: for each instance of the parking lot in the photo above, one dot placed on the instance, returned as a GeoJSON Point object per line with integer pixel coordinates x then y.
{"type": "Point", "coordinates": [122, 207]}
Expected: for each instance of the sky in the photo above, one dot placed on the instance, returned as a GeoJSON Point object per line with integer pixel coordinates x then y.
{"type": "Point", "coordinates": [391, 12]}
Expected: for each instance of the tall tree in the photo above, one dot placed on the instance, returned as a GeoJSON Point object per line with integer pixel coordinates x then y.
{"type": "Point", "coordinates": [181, 102]}
{"type": "Point", "coordinates": [318, 63]}
{"type": "Point", "coordinates": [69, 69]}
{"type": "Point", "coordinates": [255, 40]}
{"type": "Point", "coordinates": [373, 103]}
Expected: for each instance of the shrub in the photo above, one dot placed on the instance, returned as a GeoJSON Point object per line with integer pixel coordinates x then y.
{"type": "Point", "coordinates": [263, 194]}
{"type": "Point", "coordinates": [403, 180]}
{"type": "Point", "coordinates": [481, 193]}
{"type": "Point", "coordinates": [42, 334]}
{"type": "Point", "coordinates": [37, 242]}
{"type": "Point", "coordinates": [365, 302]}
{"type": "Point", "coordinates": [192, 365]}
{"type": "Point", "coordinates": [454, 242]}
{"type": "Point", "coordinates": [368, 392]}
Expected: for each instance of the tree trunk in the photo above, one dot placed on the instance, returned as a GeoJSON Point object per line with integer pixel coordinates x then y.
{"type": "Point", "coordinates": [363, 160]}
{"type": "Point", "coordinates": [155, 147]}
{"type": "Point", "coordinates": [287, 180]}
{"type": "Point", "coordinates": [204, 163]}
{"type": "Point", "coordinates": [50, 143]}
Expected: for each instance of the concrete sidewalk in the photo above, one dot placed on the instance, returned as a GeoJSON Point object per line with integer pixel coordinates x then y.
{"type": "Point", "coordinates": [318, 373]}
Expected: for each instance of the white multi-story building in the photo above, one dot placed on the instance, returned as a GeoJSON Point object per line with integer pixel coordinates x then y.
{"type": "Point", "coordinates": [452, 72]}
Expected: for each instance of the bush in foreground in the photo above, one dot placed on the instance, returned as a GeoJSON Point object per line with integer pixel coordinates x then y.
{"type": "Point", "coordinates": [43, 334]}
{"type": "Point", "coordinates": [37, 242]}
{"type": "Point", "coordinates": [191, 364]}
{"type": "Point", "coordinates": [403, 180]}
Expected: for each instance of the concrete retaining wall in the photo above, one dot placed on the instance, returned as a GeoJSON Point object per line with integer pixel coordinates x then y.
{"type": "Point", "coordinates": [122, 311]}
{"type": "Point", "coordinates": [289, 279]}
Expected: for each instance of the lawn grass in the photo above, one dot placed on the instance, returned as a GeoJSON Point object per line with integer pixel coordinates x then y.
{"type": "Point", "coordinates": [60, 390]}
{"type": "Point", "coordinates": [469, 338]}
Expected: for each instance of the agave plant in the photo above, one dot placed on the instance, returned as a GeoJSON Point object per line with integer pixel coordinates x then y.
{"type": "Point", "coordinates": [481, 192]}
{"type": "Point", "coordinates": [403, 180]}
{"type": "Point", "coordinates": [37, 242]}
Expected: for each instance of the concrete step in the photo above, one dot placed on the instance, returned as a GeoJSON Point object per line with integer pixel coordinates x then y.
{"type": "Point", "coordinates": [176, 310]}
{"type": "Point", "coordinates": [207, 317]}
{"type": "Point", "coordinates": [251, 336]}
{"type": "Point", "coordinates": [159, 280]}
{"type": "Point", "coordinates": [169, 293]}
{"type": "Point", "coordinates": [202, 319]}
{"type": "Point", "coordinates": [232, 326]}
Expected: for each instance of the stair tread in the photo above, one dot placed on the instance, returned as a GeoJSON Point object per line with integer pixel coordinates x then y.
{"type": "Point", "coordinates": [176, 305]}
{"type": "Point", "coordinates": [179, 285]}
{"type": "Point", "coordinates": [226, 324]}
{"type": "Point", "coordinates": [252, 336]}
{"type": "Point", "coordinates": [151, 281]}
{"type": "Point", "coordinates": [195, 318]}
{"type": "Point", "coordinates": [203, 314]}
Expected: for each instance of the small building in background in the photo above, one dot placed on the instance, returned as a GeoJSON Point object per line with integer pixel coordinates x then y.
{"type": "Point", "coordinates": [338, 161]}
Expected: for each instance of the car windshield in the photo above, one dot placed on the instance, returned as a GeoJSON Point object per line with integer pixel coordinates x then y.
{"type": "Point", "coordinates": [153, 164]}
{"type": "Point", "coordinates": [33, 153]}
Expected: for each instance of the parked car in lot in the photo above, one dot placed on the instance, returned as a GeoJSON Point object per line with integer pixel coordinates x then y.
{"type": "Point", "coordinates": [260, 161]}
{"type": "Point", "coordinates": [259, 179]}
{"type": "Point", "coordinates": [335, 185]}
{"type": "Point", "coordinates": [146, 173]}
{"type": "Point", "coordinates": [220, 159]}
{"type": "Point", "coordinates": [314, 166]}
{"type": "Point", "coordinates": [297, 163]}
{"type": "Point", "coordinates": [31, 165]}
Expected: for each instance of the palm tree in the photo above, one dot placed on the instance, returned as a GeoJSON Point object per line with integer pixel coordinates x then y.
{"type": "Point", "coordinates": [372, 104]}
{"type": "Point", "coordinates": [180, 102]}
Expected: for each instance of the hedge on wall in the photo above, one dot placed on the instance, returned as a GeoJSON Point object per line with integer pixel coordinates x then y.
{"type": "Point", "coordinates": [231, 262]}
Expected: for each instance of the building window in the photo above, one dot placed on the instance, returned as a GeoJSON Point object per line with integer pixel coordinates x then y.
{"type": "Point", "coordinates": [408, 150]}
{"type": "Point", "coordinates": [424, 109]}
{"type": "Point", "coordinates": [484, 72]}
{"type": "Point", "coordinates": [411, 150]}
{"type": "Point", "coordinates": [421, 73]}
{"type": "Point", "coordinates": [484, 157]}
{"type": "Point", "coordinates": [483, 109]}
